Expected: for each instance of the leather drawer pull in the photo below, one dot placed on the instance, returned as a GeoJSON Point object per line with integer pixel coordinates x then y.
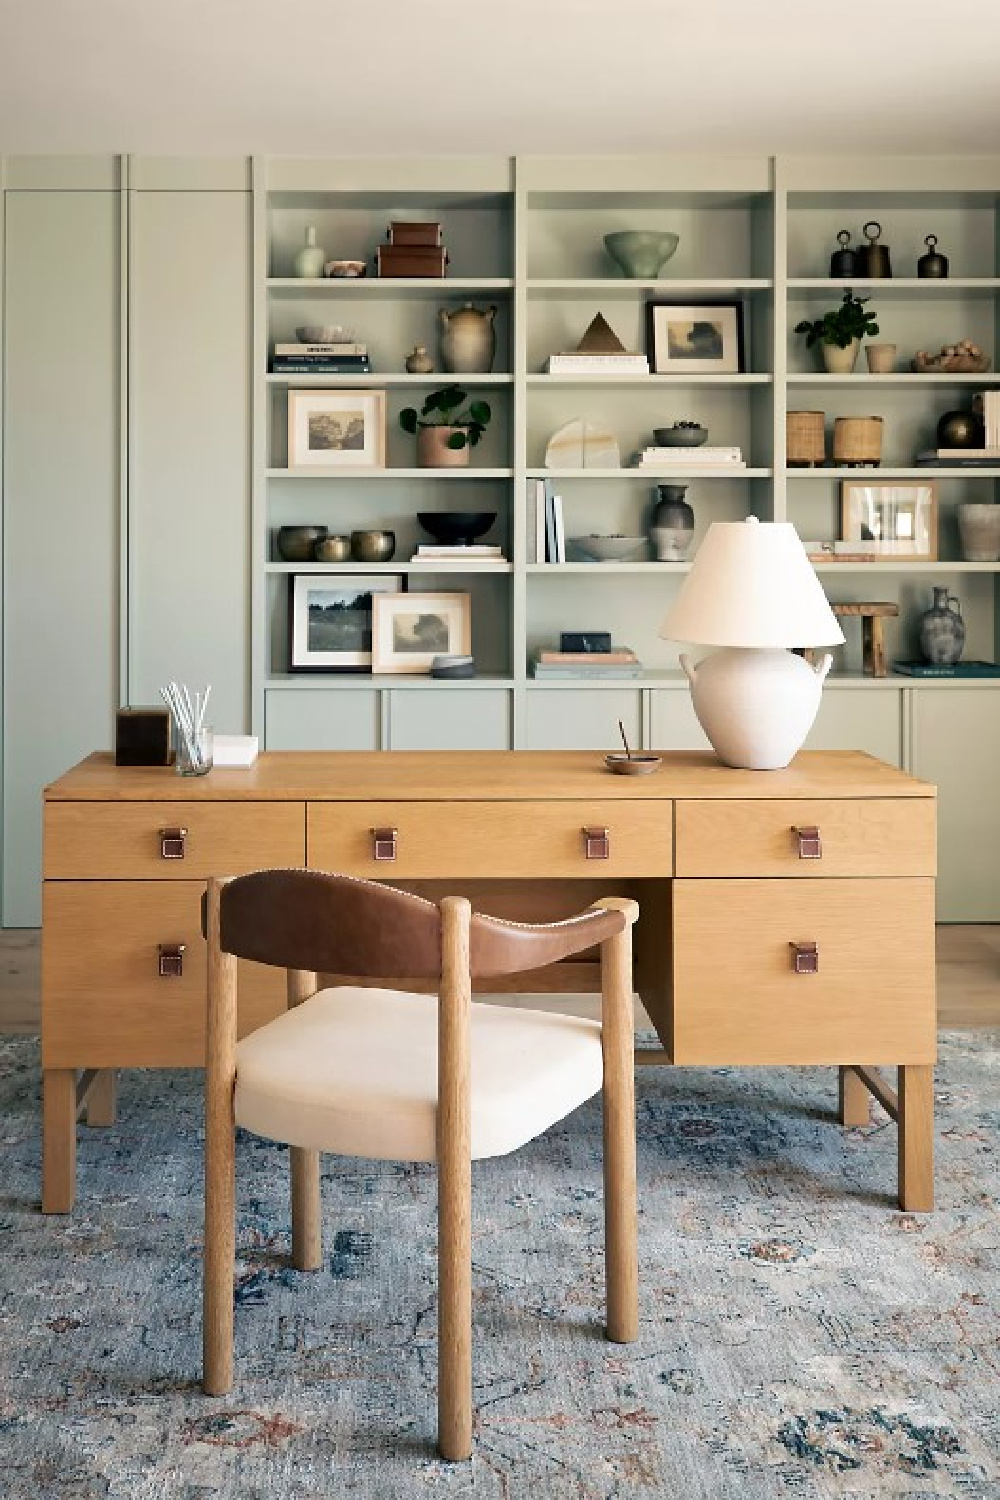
{"type": "Point", "coordinates": [805, 958]}
{"type": "Point", "coordinates": [172, 843]}
{"type": "Point", "coordinates": [810, 843]}
{"type": "Point", "coordinates": [384, 843]}
{"type": "Point", "coordinates": [598, 843]}
{"type": "Point", "coordinates": [171, 960]}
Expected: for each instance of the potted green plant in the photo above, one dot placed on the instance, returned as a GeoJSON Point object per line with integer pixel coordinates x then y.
{"type": "Point", "coordinates": [447, 426]}
{"type": "Point", "coordinates": [840, 331]}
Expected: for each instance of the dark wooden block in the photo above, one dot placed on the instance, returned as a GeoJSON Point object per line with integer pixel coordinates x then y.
{"type": "Point", "coordinates": [142, 737]}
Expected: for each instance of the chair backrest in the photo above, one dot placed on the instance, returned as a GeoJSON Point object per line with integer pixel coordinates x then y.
{"type": "Point", "coordinates": [338, 924]}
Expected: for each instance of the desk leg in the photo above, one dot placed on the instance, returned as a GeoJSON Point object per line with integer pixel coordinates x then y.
{"type": "Point", "coordinates": [916, 1138]}
{"type": "Point", "coordinates": [101, 1099]}
{"type": "Point", "coordinates": [59, 1140]}
{"type": "Point", "coordinates": [854, 1108]}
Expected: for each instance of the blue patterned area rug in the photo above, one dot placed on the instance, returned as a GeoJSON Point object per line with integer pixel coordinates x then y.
{"type": "Point", "coordinates": [800, 1336]}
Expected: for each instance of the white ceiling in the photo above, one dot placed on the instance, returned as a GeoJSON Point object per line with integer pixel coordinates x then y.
{"type": "Point", "coordinates": [424, 77]}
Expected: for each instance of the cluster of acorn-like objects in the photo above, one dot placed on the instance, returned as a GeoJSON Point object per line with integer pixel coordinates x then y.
{"type": "Point", "coordinates": [961, 357]}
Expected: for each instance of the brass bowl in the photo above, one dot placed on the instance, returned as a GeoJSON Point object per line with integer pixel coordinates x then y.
{"type": "Point", "coordinates": [372, 546]}
{"type": "Point", "coordinates": [296, 543]}
{"type": "Point", "coordinates": [332, 549]}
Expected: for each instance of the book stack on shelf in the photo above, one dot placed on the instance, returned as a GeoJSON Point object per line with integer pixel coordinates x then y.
{"type": "Point", "coordinates": [599, 352]}
{"type": "Point", "coordinates": [550, 529]}
{"type": "Point", "coordinates": [986, 457]}
{"type": "Point", "coordinates": [343, 358]}
{"type": "Point", "coordinates": [609, 661]}
{"type": "Point", "coordinates": [689, 460]}
{"type": "Point", "coordinates": [459, 552]}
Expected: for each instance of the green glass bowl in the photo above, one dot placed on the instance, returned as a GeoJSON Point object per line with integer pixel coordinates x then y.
{"type": "Point", "coordinates": [641, 253]}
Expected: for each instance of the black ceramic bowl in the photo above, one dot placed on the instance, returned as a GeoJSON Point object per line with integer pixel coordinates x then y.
{"type": "Point", "coordinates": [456, 528]}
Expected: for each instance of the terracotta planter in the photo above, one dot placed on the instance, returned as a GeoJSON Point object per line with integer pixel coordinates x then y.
{"type": "Point", "coordinates": [433, 452]}
{"type": "Point", "coordinates": [837, 361]}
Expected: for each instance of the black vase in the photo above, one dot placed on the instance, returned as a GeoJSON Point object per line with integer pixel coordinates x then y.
{"type": "Point", "coordinates": [673, 523]}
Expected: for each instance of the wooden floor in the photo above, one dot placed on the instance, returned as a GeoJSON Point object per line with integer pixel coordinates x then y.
{"type": "Point", "coordinates": [968, 979]}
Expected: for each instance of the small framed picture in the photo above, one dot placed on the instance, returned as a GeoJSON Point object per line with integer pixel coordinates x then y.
{"type": "Point", "coordinates": [336, 429]}
{"type": "Point", "coordinates": [409, 630]}
{"type": "Point", "coordinates": [889, 520]}
{"type": "Point", "coordinates": [703, 338]}
{"type": "Point", "coordinates": [330, 625]}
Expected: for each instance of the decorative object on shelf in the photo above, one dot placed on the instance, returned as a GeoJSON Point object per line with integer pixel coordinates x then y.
{"type": "Point", "coordinates": [942, 630]}
{"type": "Point", "coordinates": [844, 262]}
{"type": "Point", "coordinates": [422, 232]}
{"type": "Point", "coordinates": [330, 620]}
{"type": "Point", "coordinates": [672, 530]}
{"type": "Point", "coordinates": [641, 253]}
{"type": "Point", "coordinates": [453, 668]}
{"type": "Point", "coordinates": [979, 529]}
{"type": "Point", "coordinates": [889, 521]}
{"type": "Point", "coordinates": [610, 548]}
{"type": "Point", "coordinates": [468, 339]}
{"type": "Point", "coordinates": [632, 763]}
{"type": "Point", "coordinates": [960, 429]}
{"type": "Point", "coordinates": [373, 546]}
{"type": "Point", "coordinates": [881, 358]}
{"type": "Point", "coordinates": [192, 736]}
{"type": "Point", "coordinates": [446, 428]}
{"type": "Point", "coordinates": [325, 334]}
{"type": "Point", "coordinates": [414, 249]}
{"type": "Point", "coordinates": [599, 352]}
{"type": "Point", "coordinates": [752, 591]}
{"type": "Point", "coordinates": [332, 549]}
{"type": "Point", "coordinates": [336, 429]}
{"type": "Point", "coordinates": [874, 659]}
{"type": "Point", "coordinates": [681, 435]}
{"type": "Point", "coordinates": [296, 543]}
{"type": "Point", "coordinates": [419, 362]}
{"type": "Point", "coordinates": [961, 358]}
{"type": "Point", "coordinates": [584, 641]}
{"type": "Point", "coordinates": [456, 528]}
{"type": "Point", "coordinates": [617, 662]}
{"type": "Point", "coordinates": [857, 442]}
{"type": "Point", "coordinates": [582, 444]}
{"type": "Point", "coordinates": [309, 260]}
{"type": "Point", "coordinates": [674, 460]}
{"type": "Point", "coordinates": [839, 332]}
{"type": "Point", "coordinates": [805, 439]}
{"type": "Point", "coordinates": [409, 630]}
{"type": "Point", "coordinates": [337, 353]}
{"type": "Point", "coordinates": [695, 338]}
{"type": "Point", "coordinates": [142, 737]}
{"type": "Point", "coordinates": [347, 269]}
{"type": "Point", "coordinates": [933, 264]}
{"type": "Point", "coordinates": [873, 257]}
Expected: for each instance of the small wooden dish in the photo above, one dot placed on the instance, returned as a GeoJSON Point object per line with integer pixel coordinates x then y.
{"type": "Point", "coordinates": [631, 765]}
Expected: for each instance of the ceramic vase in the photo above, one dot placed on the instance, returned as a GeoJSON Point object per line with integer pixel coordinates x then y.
{"type": "Point", "coordinates": [942, 630]}
{"type": "Point", "coordinates": [837, 361]}
{"type": "Point", "coordinates": [672, 530]}
{"type": "Point", "coordinates": [468, 340]}
{"type": "Point", "coordinates": [419, 362]}
{"type": "Point", "coordinates": [979, 528]}
{"type": "Point", "coordinates": [311, 258]}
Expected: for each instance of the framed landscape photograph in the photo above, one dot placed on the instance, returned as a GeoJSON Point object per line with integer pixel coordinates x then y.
{"type": "Point", "coordinates": [336, 429]}
{"type": "Point", "coordinates": [330, 624]}
{"type": "Point", "coordinates": [889, 520]}
{"type": "Point", "coordinates": [409, 630]}
{"type": "Point", "coordinates": [702, 338]}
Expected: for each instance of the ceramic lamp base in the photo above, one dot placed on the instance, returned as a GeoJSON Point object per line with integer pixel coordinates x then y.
{"type": "Point", "coordinates": [756, 706]}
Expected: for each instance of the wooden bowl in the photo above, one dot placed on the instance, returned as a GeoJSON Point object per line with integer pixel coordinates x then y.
{"type": "Point", "coordinates": [638, 764]}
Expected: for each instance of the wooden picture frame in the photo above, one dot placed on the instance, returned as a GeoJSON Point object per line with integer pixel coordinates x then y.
{"type": "Point", "coordinates": [330, 619]}
{"type": "Point", "coordinates": [895, 522]}
{"type": "Point", "coordinates": [336, 429]}
{"type": "Point", "coordinates": [409, 630]}
{"type": "Point", "coordinates": [695, 338]}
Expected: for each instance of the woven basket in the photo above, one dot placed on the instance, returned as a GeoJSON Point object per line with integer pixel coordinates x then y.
{"type": "Point", "coordinates": [804, 438]}
{"type": "Point", "coordinates": [857, 440]}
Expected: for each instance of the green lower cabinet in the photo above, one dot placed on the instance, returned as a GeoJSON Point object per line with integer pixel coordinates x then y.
{"type": "Point", "coordinates": [861, 718]}
{"type": "Point", "coordinates": [673, 721]}
{"type": "Point", "coordinates": [347, 719]}
{"type": "Point", "coordinates": [956, 744]}
{"type": "Point", "coordinates": [453, 718]}
{"type": "Point", "coordinates": [582, 718]}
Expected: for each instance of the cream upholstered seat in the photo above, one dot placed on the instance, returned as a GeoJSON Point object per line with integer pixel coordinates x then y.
{"type": "Point", "coordinates": [388, 1073]}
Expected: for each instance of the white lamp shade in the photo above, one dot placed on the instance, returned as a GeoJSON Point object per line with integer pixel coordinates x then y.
{"type": "Point", "coordinates": [751, 584]}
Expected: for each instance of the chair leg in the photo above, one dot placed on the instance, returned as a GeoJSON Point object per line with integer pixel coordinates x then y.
{"type": "Point", "coordinates": [307, 1215]}
{"type": "Point", "coordinates": [620, 1199]}
{"type": "Point", "coordinates": [454, 1308]}
{"type": "Point", "coordinates": [220, 1245]}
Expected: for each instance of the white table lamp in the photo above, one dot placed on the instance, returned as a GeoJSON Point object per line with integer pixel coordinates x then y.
{"type": "Point", "coordinates": [753, 591]}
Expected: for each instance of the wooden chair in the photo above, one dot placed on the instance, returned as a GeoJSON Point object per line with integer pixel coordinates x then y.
{"type": "Point", "coordinates": [393, 1075]}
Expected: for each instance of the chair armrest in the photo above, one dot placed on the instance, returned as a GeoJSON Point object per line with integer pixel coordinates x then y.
{"type": "Point", "coordinates": [502, 947]}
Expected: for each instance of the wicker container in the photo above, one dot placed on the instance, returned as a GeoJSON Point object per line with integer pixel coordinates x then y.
{"type": "Point", "coordinates": [857, 440]}
{"type": "Point", "coordinates": [805, 444]}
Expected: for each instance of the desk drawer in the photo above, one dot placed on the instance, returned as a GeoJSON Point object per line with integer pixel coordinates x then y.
{"type": "Point", "coordinates": [125, 841]}
{"type": "Point", "coordinates": [738, 999]}
{"type": "Point", "coordinates": [874, 837]}
{"type": "Point", "coordinates": [104, 1003]}
{"type": "Point", "coordinates": [503, 840]}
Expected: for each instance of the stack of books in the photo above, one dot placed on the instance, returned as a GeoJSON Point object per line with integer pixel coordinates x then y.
{"type": "Point", "coordinates": [580, 363]}
{"type": "Point", "coordinates": [620, 661]}
{"type": "Point", "coordinates": [550, 529]}
{"type": "Point", "coordinates": [687, 460]}
{"type": "Point", "coordinates": [460, 552]}
{"type": "Point", "coordinates": [321, 359]}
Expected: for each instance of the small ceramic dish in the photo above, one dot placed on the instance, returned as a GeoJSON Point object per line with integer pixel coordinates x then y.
{"type": "Point", "coordinates": [680, 436]}
{"type": "Point", "coordinates": [636, 764]}
{"type": "Point", "coordinates": [610, 548]}
{"type": "Point", "coordinates": [323, 333]}
{"type": "Point", "coordinates": [344, 268]}
{"type": "Point", "coordinates": [450, 667]}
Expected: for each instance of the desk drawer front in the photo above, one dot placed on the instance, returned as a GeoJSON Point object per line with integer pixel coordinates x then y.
{"type": "Point", "coordinates": [104, 1002]}
{"type": "Point", "coordinates": [739, 999]}
{"type": "Point", "coordinates": [145, 841]}
{"type": "Point", "coordinates": [502, 840]}
{"type": "Point", "coordinates": [873, 837]}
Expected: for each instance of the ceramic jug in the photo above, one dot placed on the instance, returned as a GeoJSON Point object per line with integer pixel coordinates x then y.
{"type": "Point", "coordinates": [311, 258]}
{"type": "Point", "coordinates": [942, 630]}
{"type": "Point", "coordinates": [468, 339]}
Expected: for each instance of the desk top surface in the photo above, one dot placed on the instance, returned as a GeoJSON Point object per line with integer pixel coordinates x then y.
{"type": "Point", "coordinates": [483, 776]}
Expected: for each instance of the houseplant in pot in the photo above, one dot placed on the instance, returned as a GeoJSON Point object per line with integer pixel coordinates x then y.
{"type": "Point", "coordinates": [839, 332]}
{"type": "Point", "coordinates": [447, 426]}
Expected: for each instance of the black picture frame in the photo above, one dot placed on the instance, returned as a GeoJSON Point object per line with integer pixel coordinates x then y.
{"type": "Point", "coordinates": [307, 650]}
{"type": "Point", "coordinates": [707, 337]}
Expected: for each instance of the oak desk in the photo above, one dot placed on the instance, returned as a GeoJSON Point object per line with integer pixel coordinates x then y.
{"type": "Point", "coordinates": [786, 916]}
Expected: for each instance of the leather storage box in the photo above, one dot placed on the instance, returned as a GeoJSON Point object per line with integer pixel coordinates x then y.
{"type": "Point", "coordinates": [425, 234]}
{"type": "Point", "coordinates": [411, 260]}
{"type": "Point", "coordinates": [142, 737]}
